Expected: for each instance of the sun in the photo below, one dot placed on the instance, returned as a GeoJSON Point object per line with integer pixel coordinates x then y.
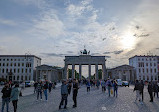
{"type": "Point", "coordinates": [128, 41]}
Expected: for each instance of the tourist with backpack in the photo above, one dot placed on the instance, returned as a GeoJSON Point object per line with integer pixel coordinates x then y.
{"type": "Point", "coordinates": [45, 87]}
{"type": "Point", "coordinates": [115, 87]}
{"type": "Point", "coordinates": [109, 85]}
{"type": "Point", "coordinates": [39, 90]}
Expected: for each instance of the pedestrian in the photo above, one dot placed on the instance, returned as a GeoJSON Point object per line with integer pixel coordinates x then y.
{"type": "Point", "coordinates": [88, 86]}
{"type": "Point", "coordinates": [35, 87]}
{"type": "Point", "coordinates": [98, 84]}
{"type": "Point", "coordinates": [103, 86]}
{"type": "Point", "coordinates": [137, 88]}
{"type": "Point", "coordinates": [142, 89]}
{"type": "Point", "coordinates": [155, 87]}
{"type": "Point", "coordinates": [115, 86]}
{"type": "Point", "coordinates": [39, 90]}
{"type": "Point", "coordinates": [69, 87]}
{"type": "Point", "coordinates": [45, 88]}
{"type": "Point", "coordinates": [109, 85]}
{"type": "Point", "coordinates": [64, 94]}
{"type": "Point", "coordinates": [15, 96]}
{"type": "Point", "coordinates": [75, 91]}
{"type": "Point", "coordinates": [50, 86]}
{"type": "Point", "coordinates": [150, 91]}
{"type": "Point", "coordinates": [6, 92]}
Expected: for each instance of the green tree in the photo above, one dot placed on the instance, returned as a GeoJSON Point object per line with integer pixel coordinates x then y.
{"type": "Point", "coordinates": [76, 74]}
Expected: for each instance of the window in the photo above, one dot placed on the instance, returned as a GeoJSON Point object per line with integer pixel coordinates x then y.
{"type": "Point", "coordinates": [22, 70]}
{"type": "Point", "coordinates": [25, 77]}
{"type": "Point", "coordinates": [146, 64]}
{"type": "Point", "coordinates": [151, 70]}
{"type": "Point", "coordinates": [154, 64]}
{"type": "Point", "coordinates": [154, 59]}
{"type": "Point", "coordinates": [7, 64]}
{"type": "Point", "coordinates": [18, 70]}
{"type": "Point", "coordinates": [7, 59]}
{"type": "Point", "coordinates": [7, 70]}
{"type": "Point", "coordinates": [10, 64]}
{"type": "Point", "coordinates": [143, 77]}
{"type": "Point", "coordinates": [0, 64]}
{"type": "Point", "coordinates": [0, 59]}
{"type": "Point", "coordinates": [14, 78]}
{"type": "Point", "coordinates": [150, 64]}
{"type": "Point", "coordinates": [25, 70]}
{"type": "Point", "coordinates": [2, 70]}
{"type": "Point", "coordinates": [10, 70]}
{"type": "Point", "coordinates": [29, 77]}
{"type": "Point", "coordinates": [29, 70]}
{"type": "Point", "coordinates": [3, 59]}
{"type": "Point", "coordinates": [150, 59]}
{"type": "Point", "coordinates": [155, 70]}
{"type": "Point", "coordinates": [14, 59]}
{"type": "Point", "coordinates": [11, 59]}
{"type": "Point", "coordinates": [14, 70]}
{"type": "Point", "coordinates": [139, 71]}
{"type": "Point", "coordinates": [18, 77]}
{"type": "Point", "coordinates": [22, 64]}
{"type": "Point", "coordinates": [151, 77]}
{"type": "Point", "coordinates": [18, 64]}
{"type": "Point", "coordinates": [143, 70]}
{"type": "Point", "coordinates": [21, 77]}
{"type": "Point", "coordinates": [147, 77]}
{"type": "Point", "coordinates": [142, 59]}
{"type": "Point", "coordinates": [18, 59]}
{"type": "Point", "coordinates": [3, 64]}
{"type": "Point", "coordinates": [14, 64]}
{"type": "Point", "coordinates": [147, 70]}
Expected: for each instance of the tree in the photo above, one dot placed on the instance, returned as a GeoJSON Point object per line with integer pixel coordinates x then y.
{"type": "Point", "coordinates": [76, 74]}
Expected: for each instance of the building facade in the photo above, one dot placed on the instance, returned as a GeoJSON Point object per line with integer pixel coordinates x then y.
{"type": "Point", "coordinates": [49, 73]}
{"type": "Point", "coordinates": [18, 67]}
{"type": "Point", "coordinates": [123, 72]}
{"type": "Point", "coordinates": [146, 67]}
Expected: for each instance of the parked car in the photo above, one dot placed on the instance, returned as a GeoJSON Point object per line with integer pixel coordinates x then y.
{"type": "Point", "coordinates": [29, 83]}
{"type": "Point", "coordinates": [125, 83]}
{"type": "Point", "coordinates": [119, 81]}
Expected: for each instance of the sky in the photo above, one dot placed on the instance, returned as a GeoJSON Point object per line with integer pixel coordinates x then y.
{"type": "Point", "coordinates": [53, 29]}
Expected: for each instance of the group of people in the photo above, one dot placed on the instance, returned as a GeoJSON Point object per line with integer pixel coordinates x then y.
{"type": "Point", "coordinates": [111, 85]}
{"type": "Point", "coordinates": [153, 90]}
{"type": "Point", "coordinates": [10, 94]}
{"type": "Point", "coordinates": [66, 90]}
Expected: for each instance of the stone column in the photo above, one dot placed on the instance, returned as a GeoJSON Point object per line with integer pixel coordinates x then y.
{"type": "Point", "coordinates": [96, 67]}
{"type": "Point", "coordinates": [73, 71]}
{"type": "Point", "coordinates": [103, 71]}
{"type": "Point", "coordinates": [80, 71]}
{"type": "Point", "coordinates": [89, 71]}
{"type": "Point", "coordinates": [65, 72]}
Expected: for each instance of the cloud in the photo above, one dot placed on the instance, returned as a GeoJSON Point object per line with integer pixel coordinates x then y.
{"type": "Point", "coordinates": [70, 52]}
{"type": "Point", "coordinates": [107, 52]}
{"type": "Point", "coordinates": [118, 52]}
{"type": "Point", "coordinates": [53, 54]}
{"type": "Point", "coordinates": [7, 22]}
{"type": "Point", "coordinates": [107, 56]}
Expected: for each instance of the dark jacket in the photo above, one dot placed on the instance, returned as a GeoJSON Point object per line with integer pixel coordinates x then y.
{"type": "Point", "coordinates": [150, 88]}
{"type": "Point", "coordinates": [155, 88]}
{"type": "Point", "coordinates": [64, 89]}
{"type": "Point", "coordinates": [75, 88]}
{"type": "Point", "coordinates": [6, 92]}
{"type": "Point", "coordinates": [39, 87]}
{"type": "Point", "coordinates": [137, 87]}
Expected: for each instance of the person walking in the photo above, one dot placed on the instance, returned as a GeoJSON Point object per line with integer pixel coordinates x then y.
{"type": "Point", "coordinates": [142, 89]}
{"type": "Point", "coordinates": [6, 92]}
{"type": "Point", "coordinates": [69, 87]}
{"type": "Point", "coordinates": [50, 87]}
{"type": "Point", "coordinates": [64, 94]}
{"type": "Point", "coordinates": [115, 86]}
{"type": "Point", "coordinates": [45, 88]}
{"type": "Point", "coordinates": [88, 86]}
{"type": "Point", "coordinates": [103, 86]}
{"type": "Point", "coordinates": [39, 90]}
{"type": "Point", "coordinates": [150, 91]}
{"type": "Point", "coordinates": [98, 84]}
{"type": "Point", "coordinates": [109, 85]}
{"type": "Point", "coordinates": [35, 87]}
{"type": "Point", "coordinates": [15, 96]}
{"type": "Point", "coordinates": [155, 87]}
{"type": "Point", "coordinates": [75, 91]}
{"type": "Point", "coordinates": [137, 89]}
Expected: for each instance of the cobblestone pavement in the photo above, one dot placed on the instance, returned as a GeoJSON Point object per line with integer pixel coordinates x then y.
{"type": "Point", "coordinates": [95, 101]}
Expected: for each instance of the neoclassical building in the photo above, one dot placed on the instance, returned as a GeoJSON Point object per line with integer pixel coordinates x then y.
{"type": "Point", "coordinates": [123, 72]}
{"type": "Point", "coordinates": [18, 67]}
{"type": "Point", "coordinates": [49, 73]}
{"type": "Point", "coordinates": [85, 59]}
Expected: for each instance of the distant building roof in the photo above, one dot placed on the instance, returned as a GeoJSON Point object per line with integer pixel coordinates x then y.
{"type": "Point", "coordinates": [20, 56]}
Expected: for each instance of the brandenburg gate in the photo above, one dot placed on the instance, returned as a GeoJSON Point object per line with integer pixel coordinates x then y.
{"type": "Point", "coordinates": [85, 59]}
